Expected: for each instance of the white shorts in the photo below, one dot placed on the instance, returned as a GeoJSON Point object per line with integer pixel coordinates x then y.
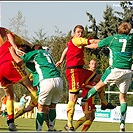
{"type": "Point", "coordinates": [120, 77]}
{"type": "Point", "coordinates": [50, 91]}
{"type": "Point", "coordinates": [3, 107]}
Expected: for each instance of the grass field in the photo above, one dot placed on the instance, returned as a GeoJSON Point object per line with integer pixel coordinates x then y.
{"type": "Point", "coordinates": [28, 125]}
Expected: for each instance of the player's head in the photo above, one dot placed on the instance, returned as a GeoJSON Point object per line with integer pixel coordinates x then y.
{"type": "Point", "coordinates": [25, 48]}
{"type": "Point", "coordinates": [78, 31]}
{"type": "Point", "coordinates": [36, 47]}
{"type": "Point", "coordinates": [93, 64]}
{"type": "Point", "coordinates": [124, 28]}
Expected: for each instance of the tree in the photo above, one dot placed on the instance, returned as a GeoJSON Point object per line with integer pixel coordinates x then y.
{"type": "Point", "coordinates": [17, 25]}
{"type": "Point", "coordinates": [93, 27]}
{"type": "Point", "coordinates": [109, 26]}
{"type": "Point", "coordinates": [40, 38]}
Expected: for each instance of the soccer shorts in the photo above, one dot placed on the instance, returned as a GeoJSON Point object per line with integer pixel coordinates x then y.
{"type": "Point", "coordinates": [11, 73]}
{"type": "Point", "coordinates": [50, 91]}
{"type": "Point", "coordinates": [120, 77]}
{"type": "Point", "coordinates": [76, 77]}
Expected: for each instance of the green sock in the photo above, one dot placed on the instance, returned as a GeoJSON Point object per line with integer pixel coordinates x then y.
{"type": "Point", "coordinates": [90, 93]}
{"type": "Point", "coordinates": [39, 121]}
{"type": "Point", "coordinates": [52, 117]}
{"type": "Point", "coordinates": [123, 109]}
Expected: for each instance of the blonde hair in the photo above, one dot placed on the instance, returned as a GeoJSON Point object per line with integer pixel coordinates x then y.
{"type": "Point", "coordinates": [124, 28]}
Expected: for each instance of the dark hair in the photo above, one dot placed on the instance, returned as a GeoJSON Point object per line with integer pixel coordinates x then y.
{"type": "Point", "coordinates": [78, 26]}
{"type": "Point", "coordinates": [25, 48]}
{"type": "Point", "coordinates": [36, 47]}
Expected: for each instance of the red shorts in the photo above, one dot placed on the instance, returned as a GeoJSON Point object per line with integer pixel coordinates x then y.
{"type": "Point", "coordinates": [10, 73]}
{"type": "Point", "coordinates": [89, 104]}
{"type": "Point", "coordinates": [76, 77]}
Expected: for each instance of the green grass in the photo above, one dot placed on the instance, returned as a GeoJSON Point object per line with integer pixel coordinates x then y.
{"type": "Point", "coordinates": [25, 124]}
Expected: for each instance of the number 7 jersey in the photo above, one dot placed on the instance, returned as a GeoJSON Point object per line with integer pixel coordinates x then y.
{"type": "Point", "coordinates": [121, 48]}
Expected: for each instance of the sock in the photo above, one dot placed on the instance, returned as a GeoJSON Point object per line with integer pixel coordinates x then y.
{"type": "Point", "coordinates": [70, 113]}
{"type": "Point", "coordinates": [90, 93]}
{"type": "Point", "coordinates": [86, 125]}
{"type": "Point", "coordinates": [10, 109]}
{"type": "Point", "coordinates": [102, 96]}
{"type": "Point", "coordinates": [79, 122]}
{"type": "Point", "coordinates": [34, 98]}
{"type": "Point", "coordinates": [46, 119]}
{"type": "Point", "coordinates": [52, 117]}
{"type": "Point", "coordinates": [123, 109]}
{"type": "Point", "coordinates": [19, 113]}
{"type": "Point", "coordinates": [39, 121]}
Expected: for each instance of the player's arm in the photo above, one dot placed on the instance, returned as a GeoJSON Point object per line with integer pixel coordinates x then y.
{"type": "Point", "coordinates": [62, 57]}
{"type": "Point", "coordinates": [11, 39]}
{"type": "Point", "coordinates": [84, 42]}
{"type": "Point", "coordinates": [93, 43]}
{"type": "Point", "coordinates": [16, 58]}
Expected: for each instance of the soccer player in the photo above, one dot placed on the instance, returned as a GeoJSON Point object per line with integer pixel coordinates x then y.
{"type": "Point", "coordinates": [119, 70]}
{"type": "Point", "coordinates": [89, 106]}
{"type": "Point", "coordinates": [11, 73]}
{"type": "Point", "coordinates": [34, 78]}
{"type": "Point", "coordinates": [50, 82]}
{"type": "Point", "coordinates": [75, 73]}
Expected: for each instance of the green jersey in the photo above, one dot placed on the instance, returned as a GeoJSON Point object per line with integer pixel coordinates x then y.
{"type": "Point", "coordinates": [121, 47]}
{"type": "Point", "coordinates": [31, 67]}
{"type": "Point", "coordinates": [44, 64]}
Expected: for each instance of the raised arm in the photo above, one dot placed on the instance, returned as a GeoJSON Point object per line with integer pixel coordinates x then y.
{"type": "Point", "coordinates": [94, 44]}
{"type": "Point", "coordinates": [62, 57]}
{"type": "Point", "coordinates": [12, 41]}
{"type": "Point", "coordinates": [16, 58]}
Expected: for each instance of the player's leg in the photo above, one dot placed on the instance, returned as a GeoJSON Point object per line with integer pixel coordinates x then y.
{"type": "Point", "coordinates": [89, 110]}
{"type": "Point", "coordinates": [22, 111]}
{"type": "Point", "coordinates": [30, 106]}
{"type": "Point", "coordinates": [93, 91]}
{"type": "Point", "coordinates": [56, 95]}
{"type": "Point", "coordinates": [73, 78]}
{"type": "Point", "coordinates": [10, 107]}
{"type": "Point", "coordinates": [52, 116]}
{"type": "Point", "coordinates": [33, 93]}
{"type": "Point", "coordinates": [89, 119]}
{"type": "Point", "coordinates": [123, 109]}
{"type": "Point", "coordinates": [104, 104]}
{"type": "Point", "coordinates": [40, 117]}
{"type": "Point", "coordinates": [70, 111]}
{"type": "Point", "coordinates": [86, 109]}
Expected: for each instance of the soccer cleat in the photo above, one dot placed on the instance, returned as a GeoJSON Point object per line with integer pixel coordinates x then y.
{"type": "Point", "coordinates": [80, 102]}
{"type": "Point", "coordinates": [122, 127]}
{"type": "Point", "coordinates": [12, 127]}
{"type": "Point", "coordinates": [71, 129]}
{"type": "Point", "coordinates": [19, 113]}
{"type": "Point", "coordinates": [108, 106]}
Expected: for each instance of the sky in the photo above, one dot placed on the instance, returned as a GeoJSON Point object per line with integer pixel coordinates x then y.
{"type": "Point", "coordinates": [48, 15]}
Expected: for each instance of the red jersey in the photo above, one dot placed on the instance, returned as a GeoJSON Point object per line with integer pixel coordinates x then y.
{"type": "Point", "coordinates": [4, 46]}
{"type": "Point", "coordinates": [75, 54]}
{"type": "Point", "coordinates": [5, 53]}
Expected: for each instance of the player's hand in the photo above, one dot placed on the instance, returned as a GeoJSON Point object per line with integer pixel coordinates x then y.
{"type": "Point", "coordinates": [19, 52]}
{"type": "Point", "coordinates": [58, 63]}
